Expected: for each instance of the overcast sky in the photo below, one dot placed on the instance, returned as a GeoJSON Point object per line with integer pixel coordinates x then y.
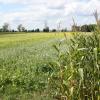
{"type": "Point", "coordinates": [33, 13]}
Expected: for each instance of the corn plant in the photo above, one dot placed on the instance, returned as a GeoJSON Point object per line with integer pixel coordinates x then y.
{"type": "Point", "coordinates": [76, 73]}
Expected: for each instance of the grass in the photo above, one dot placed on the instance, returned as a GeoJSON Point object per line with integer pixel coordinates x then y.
{"type": "Point", "coordinates": [10, 39]}
{"type": "Point", "coordinates": [28, 47]}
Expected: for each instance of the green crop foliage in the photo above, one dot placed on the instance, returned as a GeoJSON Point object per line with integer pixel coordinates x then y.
{"type": "Point", "coordinates": [47, 66]}
{"type": "Point", "coordinates": [76, 73]}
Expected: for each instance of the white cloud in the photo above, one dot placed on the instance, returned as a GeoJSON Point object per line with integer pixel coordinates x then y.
{"type": "Point", "coordinates": [34, 12]}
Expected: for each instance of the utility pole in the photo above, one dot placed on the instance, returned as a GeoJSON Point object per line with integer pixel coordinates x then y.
{"type": "Point", "coordinates": [45, 24]}
{"type": "Point", "coordinates": [59, 27]}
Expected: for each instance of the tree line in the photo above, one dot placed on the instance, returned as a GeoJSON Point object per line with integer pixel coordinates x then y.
{"type": "Point", "coordinates": [21, 28]}
{"type": "Point", "coordinates": [84, 28]}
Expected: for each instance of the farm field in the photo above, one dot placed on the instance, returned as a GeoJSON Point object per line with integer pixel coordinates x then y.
{"type": "Point", "coordinates": [20, 54]}
{"type": "Point", "coordinates": [50, 50]}
{"type": "Point", "coordinates": [49, 66]}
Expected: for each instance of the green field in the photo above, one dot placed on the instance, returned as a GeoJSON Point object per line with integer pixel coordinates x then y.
{"type": "Point", "coordinates": [50, 66]}
{"type": "Point", "coordinates": [20, 54]}
{"type": "Point", "coordinates": [30, 47]}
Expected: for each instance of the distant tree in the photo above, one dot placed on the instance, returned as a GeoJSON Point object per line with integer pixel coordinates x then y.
{"type": "Point", "coordinates": [32, 30]}
{"type": "Point", "coordinates": [54, 30]}
{"type": "Point", "coordinates": [13, 30]}
{"type": "Point", "coordinates": [91, 27]}
{"type": "Point", "coordinates": [6, 27]}
{"type": "Point", "coordinates": [64, 30]}
{"type": "Point", "coordinates": [19, 28]}
{"type": "Point", "coordinates": [46, 29]}
{"type": "Point", "coordinates": [23, 29]}
{"type": "Point", "coordinates": [84, 28]}
{"type": "Point", "coordinates": [88, 28]}
{"type": "Point", "coordinates": [1, 30]}
{"type": "Point", "coordinates": [76, 28]}
{"type": "Point", "coordinates": [37, 30]}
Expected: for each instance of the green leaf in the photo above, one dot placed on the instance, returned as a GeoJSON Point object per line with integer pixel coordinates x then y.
{"type": "Point", "coordinates": [81, 73]}
{"type": "Point", "coordinates": [96, 57]}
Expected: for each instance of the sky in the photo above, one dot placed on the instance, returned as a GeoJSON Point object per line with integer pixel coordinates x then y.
{"type": "Point", "coordinates": [34, 13]}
